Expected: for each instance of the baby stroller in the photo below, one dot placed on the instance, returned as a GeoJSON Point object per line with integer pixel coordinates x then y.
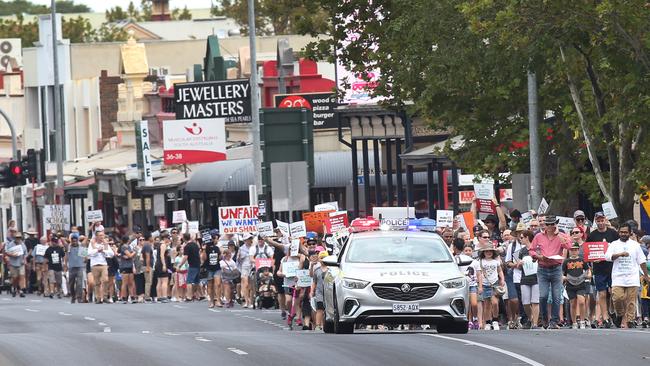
{"type": "Point", "coordinates": [265, 291]}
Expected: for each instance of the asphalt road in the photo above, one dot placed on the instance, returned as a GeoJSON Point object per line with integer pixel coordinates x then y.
{"type": "Point", "coordinates": [36, 331]}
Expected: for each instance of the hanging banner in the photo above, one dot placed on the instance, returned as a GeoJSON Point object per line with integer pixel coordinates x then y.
{"type": "Point", "coordinates": [238, 219]}
{"type": "Point", "coordinates": [228, 99]}
{"type": "Point", "coordinates": [144, 152]}
{"type": "Point", "coordinates": [193, 141]}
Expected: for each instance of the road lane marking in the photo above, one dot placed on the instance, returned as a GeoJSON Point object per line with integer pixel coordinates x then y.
{"type": "Point", "coordinates": [519, 357]}
{"type": "Point", "coordinates": [36, 300]}
{"type": "Point", "coordinates": [145, 332]}
{"type": "Point", "coordinates": [88, 318]}
{"type": "Point", "coordinates": [179, 307]}
{"type": "Point", "coordinates": [101, 324]}
{"type": "Point", "coordinates": [237, 351]}
{"type": "Point", "coordinates": [32, 310]}
{"type": "Point", "coordinates": [201, 339]}
{"type": "Point", "coordinates": [107, 329]}
{"type": "Point", "coordinates": [171, 334]}
{"type": "Point", "coordinates": [214, 310]}
{"type": "Point", "coordinates": [65, 314]}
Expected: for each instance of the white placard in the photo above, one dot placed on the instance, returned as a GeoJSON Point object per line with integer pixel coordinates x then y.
{"type": "Point", "coordinates": [265, 228]}
{"type": "Point", "coordinates": [284, 227]}
{"type": "Point", "coordinates": [526, 218]}
{"type": "Point", "coordinates": [298, 229]}
{"type": "Point", "coordinates": [304, 279]}
{"type": "Point", "coordinates": [179, 216]}
{"type": "Point", "coordinates": [16, 250]}
{"type": "Point", "coordinates": [40, 249]}
{"type": "Point", "coordinates": [56, 218]}
{"type": "Point", "coordinates": [484, 191]}
{"type": "Point", "coordinates": [543, 206]}
{"type": "Point", "coordinates": [193, 227]}
{"type": "Point", "coordinates": [290, 268]}
{"type": "Point", "coordinates": [565, 223]}
{"type": "Point", "coordinates": [445, 218]}
{"type": "Point", "coordinates": [328, 206]}
{"type": "Point", "coordinates": [294, 249]}
{"type": "Point", "coordinates": [609, 211]}
{"type": "Point", "coordinates": [94, 216]}
{"type": "Point", "coordinates": [529, 267]}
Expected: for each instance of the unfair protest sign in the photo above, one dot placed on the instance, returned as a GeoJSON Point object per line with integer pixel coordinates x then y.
{"type": "Point", "coordinates": [238, 219]}
{"type": "Point", "coordinates": [304, 279]}
{"type": "Point", "coordinates": [609, 211]}
{"type": "Point", "coordinates": [486, 206]}
{"type": "Point", "coordinates": [445, 218]}
{"type": "Point", "coordinates": [265, 228]}
{"type": "Point", "coordinates": [337, 221]}
{"type": "Point", "coordinates": [314, 221]}
{"type": "Point", "coordinates": [56, 217]}
{"type": "Point", "coordinates": [565, 223]}
{"type": "Point", "coordinates": [263, 262]}
{"type": "Point", "coordinates": [484, 191]}
{"type": "Point", "coordinates": [595, 251]}
{"type": "Point", "coordinates": [284, 227]}
{"type": "Point", "coordinates": [179, 216]}
{"type": "Point", "coordinates": [298, 229]}
{"type": "Point", "coordinates": [327, 206]}
{"type": "Point", "coordinates": [94, 216]}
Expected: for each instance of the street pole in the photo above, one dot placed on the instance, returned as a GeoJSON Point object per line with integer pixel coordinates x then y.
{"type": "Point", "coordinates": [58, 137]}
{"type": "Point", "coordinates": [533, 128]}
{"type": "Point", "coordinates": [255, 104]}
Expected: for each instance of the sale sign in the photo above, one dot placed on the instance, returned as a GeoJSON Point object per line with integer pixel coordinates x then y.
{"type": "Point", "coordinates": [594, 251]}
{"type": "Point", "coordinates": [238, 219]}
{"type": "Point", "coordinates": [192, 141]}
{"type": "Point", "coordinates": [314, 221]}
{"type": "Point", "coordinates": [337, 221]}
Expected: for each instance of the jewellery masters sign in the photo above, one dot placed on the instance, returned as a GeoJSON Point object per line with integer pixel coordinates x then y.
{"type": "Point", "coordinates": [228, 99]}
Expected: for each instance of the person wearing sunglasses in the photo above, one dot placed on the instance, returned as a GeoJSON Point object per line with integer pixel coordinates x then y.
{"type": "Point", "coordinates": [602, 270]}
{"type": "Point", "coordinates": [581, 222]}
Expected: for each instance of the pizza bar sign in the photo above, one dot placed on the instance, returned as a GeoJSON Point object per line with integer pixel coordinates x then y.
{"type": "Point", "coordinates": [229, 99]}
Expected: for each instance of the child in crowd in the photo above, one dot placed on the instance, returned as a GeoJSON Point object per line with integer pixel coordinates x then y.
{"type": "Point", "coordinates": [576, 273]}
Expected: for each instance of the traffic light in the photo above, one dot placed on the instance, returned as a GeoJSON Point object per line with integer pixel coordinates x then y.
{"type": "Point", "coordinates": [30, 165]}
{"type": "Point", "coordinates": [10, 174]}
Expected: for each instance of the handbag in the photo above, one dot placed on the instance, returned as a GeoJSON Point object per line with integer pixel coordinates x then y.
{"type": "Point", "coordinates": [496, 289]}
{"type": "Point", "coordinates": [231, 274]}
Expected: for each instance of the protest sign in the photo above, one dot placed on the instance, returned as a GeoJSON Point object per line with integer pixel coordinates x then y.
{"type": "Point", "coordinates": [40, 249]}
{"type": "Point", "coordinates": [193, 227]}
{"type": "Point", "coordinates": [315, 221]}
{"type": "Point", "coordinates": [529, 267]}
{"type": "Point", "coordinates": [609, 211]}
{"type": "Point", "coordinates": [16, 250]}
{"type": "Point", "coordinates": [304, 279]}
{"type": "Point", "coordinates": [328, 206]}
{"type": "Point", "coordinates": [484, 191]}
{"type": "Point", "coordinates": [565, 223]}
{"type": "Point", "coordinates": [179, 216]}
{"type": "Point", "coordinates": [56, 218]}
{"type": "Point", "coordinates": [543, 206]}
{"type": "Point", "coordinates": [526, 217]}
{"type": "Point", "coordinates": [298, 229]}
{"type": "Point", "coordinates": [238, 219]}
{"type": "Point", "coordinates": [294, 249]}
{"type": "Point", "coordinates": [594, 251]}
{"type": "Point", "coordinates": [467, 222]}
{"type": "Point", "coordinates": [94, 216]}
{"type": "Point", "coordinates": [486, 206]}
{"type": "Point", "coordinates": [336, 222]}
{"type": "Point", "coordinates": [445, 218]}
{"type": "Point", "coordinates": [290, 268]}
{"type": "Point", "coordinates": [263, 262]}
{"type": "Point", "coordinates": [206, 237]}
{"type": "Point", "coordinates": [284, 227]}
{"type": "Point", "coordinates": [265, 228]}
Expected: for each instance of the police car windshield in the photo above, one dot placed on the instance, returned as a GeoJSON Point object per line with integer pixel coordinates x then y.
{"type": "Point", "coordinates": [401, 249]}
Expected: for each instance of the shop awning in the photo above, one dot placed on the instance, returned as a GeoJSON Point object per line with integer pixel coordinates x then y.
{"type": "Point", "coordinates": [174, 180]}
{"type": "Point", "coordinates": [115, 159]}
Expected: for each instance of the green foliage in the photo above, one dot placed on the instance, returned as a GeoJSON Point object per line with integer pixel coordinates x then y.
{"type": "Point", "coordinates": [141, 14]}
{"type": "Point", "coordinates": [13, 7]}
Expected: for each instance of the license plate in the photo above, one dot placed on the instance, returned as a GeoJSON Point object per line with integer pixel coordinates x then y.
{"type": "Point", "coordinates": [406, 308]}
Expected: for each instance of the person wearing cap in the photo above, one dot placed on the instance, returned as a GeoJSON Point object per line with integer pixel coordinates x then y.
{"type": "Point", "coordinates": [16, 250]}
{"type": "Point", "coordinates": [489, 276]}
{"type": "Point", "coordinates": [318, 272]}
{"type": "Point", "coordinates": [30, 242]}
{"type": "Point", "coordinates": [627, 258]}
{"type": "Point", "coordinates": [211, 255]}
{"type": "Point", "coordinates": [74, 264]}
{"type": "Point", "coordinates": [246, 265]}
{"type": "Point", "coordinates": [553, 244]}
{"type": "Point", "coordinates": [602, 269]}
{"type": "Point", "coordinates": [576, 273]}
{"type": "Point", "coordinates": [581, 222]}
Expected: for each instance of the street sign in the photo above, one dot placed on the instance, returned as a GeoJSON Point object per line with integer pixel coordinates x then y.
{"type": "Point", "coordinates": [322, 106]}
{"type": "Point", "coordinates": [290, 186]}
{"type": "Point", "coordinates": [193, 141]}
{"type": "Point", "coordinates": [144, 152]}
{"type": "Point", "coordinates": [228, 99]}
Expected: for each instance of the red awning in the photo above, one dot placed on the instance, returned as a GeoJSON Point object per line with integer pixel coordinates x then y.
{"type": "Point", "coordinates": [81, 184]}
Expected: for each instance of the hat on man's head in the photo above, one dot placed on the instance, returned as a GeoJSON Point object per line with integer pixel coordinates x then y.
{"type": "Point", "coordinates": [247, 236]}
{"type": "Point", "coordinates": [31, 231]}
{"type": "Point", "coordinates": [578, 213]}
{"type": "Point", "coordinates": [550, 220]}
{"type": "Point", "coordinates": [520, 227]}
{"type": "Point", "coordinates": [491, 218]}
{"type": "Point", "coordinates": [477, 227]}
{"type": "Point", "coordinates": [599, 214]}
{"type": "Point", "coordinates": [575, 245]}
{"type": "Point", "coordinates": [515, 213]}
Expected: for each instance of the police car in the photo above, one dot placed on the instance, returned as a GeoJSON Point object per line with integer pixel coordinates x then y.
{"type": "Point", "coordinates": [394, 277]}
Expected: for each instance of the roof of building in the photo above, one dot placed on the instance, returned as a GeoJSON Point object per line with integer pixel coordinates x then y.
{"type": "Point", "coordinates": [178, 30]}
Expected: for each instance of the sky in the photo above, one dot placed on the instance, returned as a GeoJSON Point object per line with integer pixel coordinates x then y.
{"type": "Point", "coordinates": [102, 5]}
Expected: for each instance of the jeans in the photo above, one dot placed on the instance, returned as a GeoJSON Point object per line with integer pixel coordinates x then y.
{"type": "Point", "coordinates": [75, 282]}
{"type": "Point", "coordinates": [550, 277]}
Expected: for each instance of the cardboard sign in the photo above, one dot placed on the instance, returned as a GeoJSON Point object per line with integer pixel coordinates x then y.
{"type": "Point", "coordinates": [529, 267]}
{"type": "Point", "coordinates": [193, 227]}
{"type": "Point", "coordinates": [298, 229]}
{"type": "Point", "coordinates": [94, 216]}
{"type": "Point", "coordinates": [284, 227]}
{"type": "Point", "coordinates": [304, 279]}
{"type": "Point", "coordinates": [526, 218]}
{"type": "Point", "coordinates": [328, 206]}
{"type": "Point", "coordinates": [595, 251]}
{"type": "Point", "coordinates": [265, 228]}
{"type": "Point", "coordinates": [467, 222]}
{"type": "Point", "coordinates": [56, 218]}
{"type": "Point", "coordinates": [83, 251]}
{"type": "Point", "coordinates": [238, 219]}
{"type": "Point", "coordinates": [290, 268]}
{"type": "Point", "coordinates": [486, 206]}
{"type": "Point", "coordinates": [294, 249]}
{"type": "Point", "coordinates": [263, 262]}
{"type": "Point", "coordinates": [445, 218]}
{"type": "Point", "coordinates": [206, 237]}
{"type": "Point", "coordinates": [315, 221]}
{"type": "Point", "coordinates": [609, 211]}
{"type": "Point", "coordinates": [179, 216]}
{"type": "Point", "coordinates": [40, 249]}
{"type": "Point", "coordinates": [16, 250]}
{"type": "Point", "coordinates": [543, 206]}
{"type": "Point", "coordinates": [565, 223]}
{"type": "Point", "coordinates": [484, 191]}
{"type": "Point", "coordinates": [337, 221]}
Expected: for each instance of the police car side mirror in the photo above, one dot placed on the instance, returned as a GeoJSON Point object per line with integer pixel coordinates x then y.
{"type": "Point", "coordinates": [331, 261]}
{"type": "Point", "coordinates": [463, 260]}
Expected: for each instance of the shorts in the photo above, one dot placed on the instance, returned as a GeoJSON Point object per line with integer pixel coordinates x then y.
{"type": "Point", "coordinates": [161, 274]}
{"type": "Point", "coordinates": [512, 290]}
{"type": "Point", "coordinates": [487, 292]}
{"type": "Point", "coordinates": [574, 292]}
{"type": "Point", "coordinates": [100, 273]}
{"type": "Point", "coordinates": [16, 271]}
{"type": "Point", "coordinates": [126, 270]}
{"type": "Point", "coordinates": [55, 277]}
{"type": "Point", "coordinates": [180, 277]}
{"type": "Point", "coordinates": [589, 288]}
{"type": "Point", "coordinates": [603, 282]}
{"type": "Point", "coordinates": [193, 275]}
{"type": "Point", "coordinates": [473, 289]}
{"type": "Point", "coordinates": [279, 284]}
{"type": "Point", "coordinates": [320, 305]}
{"type": "Point", "coordinates": [530, 294]}
{"type": "Point", "coordinates": [214, 275]}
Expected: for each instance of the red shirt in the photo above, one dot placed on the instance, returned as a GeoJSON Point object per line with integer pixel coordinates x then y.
{"type": "Point", "coordinates": [547, 246]}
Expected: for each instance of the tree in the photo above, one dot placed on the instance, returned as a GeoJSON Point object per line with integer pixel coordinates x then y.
{"type": "Point", "coordinates": [185, 14]}
{"type": "Point", "coordinates": [116, 14]}
{"type": "Point", "coordinates": [464, 70]}
{"type": "Point", "coordinates": [27, 7]}
{"type": "Point", "coordinates": [277, 16]}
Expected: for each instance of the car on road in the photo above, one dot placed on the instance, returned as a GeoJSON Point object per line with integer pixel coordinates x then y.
{"type": "Point", "coordinates": [395, 277]}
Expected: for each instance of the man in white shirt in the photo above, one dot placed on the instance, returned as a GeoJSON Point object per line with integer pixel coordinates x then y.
{"type": "Point", "coordinates": [98, 251]}
{"type": "Point", "coordinates": [628, 258]}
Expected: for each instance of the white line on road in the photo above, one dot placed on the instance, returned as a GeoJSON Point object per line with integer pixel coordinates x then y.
{"type": "Point", "coordinates": [519, 357]}
{"type": "Point", "coordinates": [237, 351]}
{"type": "Point", "coordinates": [65, 314]}
{"type": "Point", "coordinates": [36, 300]}
{"type": "Point", "coordinates": [171, 334]}
{"type": "Point", "coordinates": [145, 332]}
{"type": "Point", "coordinates": [214, 310]}
{"type": "Point", "coordinates": [179, 307]}
{"type": "Point", "coordinates": [201, 339]}
{"type": "Point", "coordinates": [101, 324]}
{"type": "Point", "coordinates": [107, 329]}
{"type": "Point", "coordinates": [88, 318]}
{"type": "Point", "coordinates": [32, 310]}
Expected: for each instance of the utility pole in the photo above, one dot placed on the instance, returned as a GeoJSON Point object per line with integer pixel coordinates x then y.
{"type": "Point", "coordinates": [533, 128]}
{"type": "Point", "coordinates": [58, 137]}
{"type": "Point", "coordinates": [255, 103]}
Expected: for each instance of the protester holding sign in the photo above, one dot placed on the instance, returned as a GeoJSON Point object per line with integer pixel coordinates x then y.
{"type": "Point", "coordinates": [602, 269]}
{"type": "Point", "coordinates": [98, 251]}
{"type": "Point", "coordinates": [211, 255]}
{"type": "Point", "coordinates": [16, 250]}
{"type": "Point", "coordinates": [54, 258]}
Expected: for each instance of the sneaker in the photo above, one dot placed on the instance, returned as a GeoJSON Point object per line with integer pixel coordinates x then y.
{"type": "Point", "coordinates": [495, 325]}
{"type": "Point", "coordinates": [575, 325]}
{"type": "Point", "coordinates": [174, 299]}
{"type": "Point", "coordinates": [594, 324]}
{"type": "Point", "coordinates": [527, 325]}
{"type": "Point", "coordinates": [582, 324]}
{"type": "Point", "coordinates": [487, 326]}
{"type": "Point", "coordinates": [553, 325]}
{"type": "Point", "coordinates": [23, 295]}
{"type": "Point", "coordinates": [607, 323]}
{"type": "Point", "coordinates": [631, 325]}
{"type": "Point", "coordinates": [283, 314]}
{"type": "Point", "coordinates": [110, 300]}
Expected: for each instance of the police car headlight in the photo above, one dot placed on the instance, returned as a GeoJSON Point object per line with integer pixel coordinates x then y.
{"type": "Point", "coordinates": [454, 283]}
{"type": "Point", "coordinates": [354, 284]}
